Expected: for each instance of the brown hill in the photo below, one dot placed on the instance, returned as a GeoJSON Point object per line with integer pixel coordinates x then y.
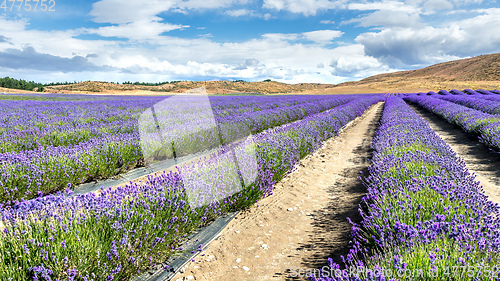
{"type": "Point", "coordinates": [475, 73]}
{"type": "Point", "coordinates": [480, 68]}
{"type": "Point", "coordinates": [213, 87]}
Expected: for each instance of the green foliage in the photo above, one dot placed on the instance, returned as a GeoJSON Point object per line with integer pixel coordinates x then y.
{"type": "Point", "coordinates": [13, 83]}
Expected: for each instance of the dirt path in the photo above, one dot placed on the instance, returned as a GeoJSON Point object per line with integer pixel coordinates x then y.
{"type": "Point", "coordinates": [303, 223]}
{"type": "Point", "coordinates": [477, 156]}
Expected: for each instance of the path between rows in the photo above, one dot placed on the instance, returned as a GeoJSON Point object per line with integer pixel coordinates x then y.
{"type": "Point", "coordinates": [477, 156]}
{"type": "Point", "coordinates": [303, 222]}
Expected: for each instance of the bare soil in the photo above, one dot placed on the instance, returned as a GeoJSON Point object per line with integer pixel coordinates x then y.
{"type": "Point", "coordinates": [303, 222]}
{"type": "Point", "coordinates": [478, 157]}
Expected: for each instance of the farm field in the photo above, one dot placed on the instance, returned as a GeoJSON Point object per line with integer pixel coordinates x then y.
{"type": "Point", "coordinates": [289, 163]}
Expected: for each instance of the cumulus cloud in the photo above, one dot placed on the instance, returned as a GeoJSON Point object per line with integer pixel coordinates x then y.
{"type": "Point", "coordinates": [351, 61]}
{"type": "Point", "coordinates": [247, 63]}
{"type": "Point", "coordinates": [29, 58]}
{"type": "Point", "coordinates": [416, 44]}
{"type": "Point", "coordinates": [3, 39]}
{"type": "Point", "coordinates": [406, 47]}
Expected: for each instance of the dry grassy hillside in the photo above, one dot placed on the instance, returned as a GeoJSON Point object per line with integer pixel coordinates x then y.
{"type": "Point", "coordinates": [475, 73]}
{"type": "Point", "coordinates": [480, 68]}
{"type": "Point", "coordinates": [213, 87]}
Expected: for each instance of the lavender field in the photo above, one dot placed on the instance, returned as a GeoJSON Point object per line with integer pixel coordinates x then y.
{"type": "Point", "coordinates": [423, 215]}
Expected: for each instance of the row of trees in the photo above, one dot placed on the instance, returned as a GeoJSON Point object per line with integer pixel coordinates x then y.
{"type": "Point", "coordinates": [13, 83]}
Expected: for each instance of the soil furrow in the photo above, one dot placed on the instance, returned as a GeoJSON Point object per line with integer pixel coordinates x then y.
{"type": "Point", "coordinates": [478, 157]}
{"type": "Point", "coordinates": [303, 222]}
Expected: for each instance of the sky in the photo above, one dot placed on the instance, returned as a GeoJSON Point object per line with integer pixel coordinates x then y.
{"type": "Point", "coordinates": [291, 41]}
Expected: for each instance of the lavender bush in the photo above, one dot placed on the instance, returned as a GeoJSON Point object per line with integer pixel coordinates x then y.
{"type": "Point", "coordinates": [116, 233]}
{"type": "Point", "coordinates": [487, 126]}
{"type": "Point", "coordinates": [48, 144]}
{"type": "Point", "coordinates": [476, 102]}
{"type": "Point", "coordinates": [424, 217]}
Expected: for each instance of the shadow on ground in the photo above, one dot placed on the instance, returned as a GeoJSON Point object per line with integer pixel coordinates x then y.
{"type": "Point", "coordinates": [331, 232]}
{"type": "Point", "coordinates": [478, 156]}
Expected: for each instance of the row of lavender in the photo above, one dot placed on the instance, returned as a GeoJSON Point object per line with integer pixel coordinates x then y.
{"type": "Point", "coordinates": [50, 144]}
{"type": "Point", "coordinates": [482, 100]}
{"type": "Point", "coordinates": [35, 124]}
{"type": "Point", "coordinates": [55, 238]}
{"type": "Point", "coordinates": [424, 217]}
{"type": "Point", "coordinates": [485, 125]}
{"type": "Point", "coordinates": [29, 125]}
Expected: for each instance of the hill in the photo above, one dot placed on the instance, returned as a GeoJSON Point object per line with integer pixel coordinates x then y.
{"type": "Point", "coordinates": [213, 87]}
{"type": "Point", "coordinates": [475, 73]}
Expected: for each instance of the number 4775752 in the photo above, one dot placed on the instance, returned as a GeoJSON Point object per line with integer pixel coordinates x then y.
{"type": "Point", "coordinates": [28, 5]}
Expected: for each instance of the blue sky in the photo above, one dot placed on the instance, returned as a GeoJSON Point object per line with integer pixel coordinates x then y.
{"type": "Point", "coordinates": [292, 41]}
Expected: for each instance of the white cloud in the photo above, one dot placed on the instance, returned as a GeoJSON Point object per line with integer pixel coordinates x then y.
{"type": "Point", "coordinates": [278, 37]}
{"type": "Point", "coordinates": [17, 25]}
{"type": "Point", "coordinates": [436, 5]}
{"type": "Point", "coordinates": [405, 47]}
{"type": "Point", "coordinates": [283, 57]}
{"type": "Point", "coordinates": [394, 6]}
{"type": "Point", "coordinates": [388, 14]}
{"type": "Point", "coordinates": [351, 61]}
{"type": "Point", "coordinates": [57, 42]}
{"type": "Point", "coordinates": [121, 12]}
{"type": "Point", "coordinates": [139, 30]}
{"type": "Point", "coordinates": [466, 2]}
{"type": "Point", "coordinates": [387, 18]}
{"type": "Point", "coordinates": [317, 36]}
{"type": "Point", "coordinates": [208, 4]}
{"type": "Point", "coordinates": [238, 13]}
{"type": "Point", "coordinates": [305, 7]}
{"type": "Point", "coordinates": [322, 36]}
{"type": "Point", "coordinates": [327, 22]}
{"type": "Point", "coordinates": [248, 13]}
